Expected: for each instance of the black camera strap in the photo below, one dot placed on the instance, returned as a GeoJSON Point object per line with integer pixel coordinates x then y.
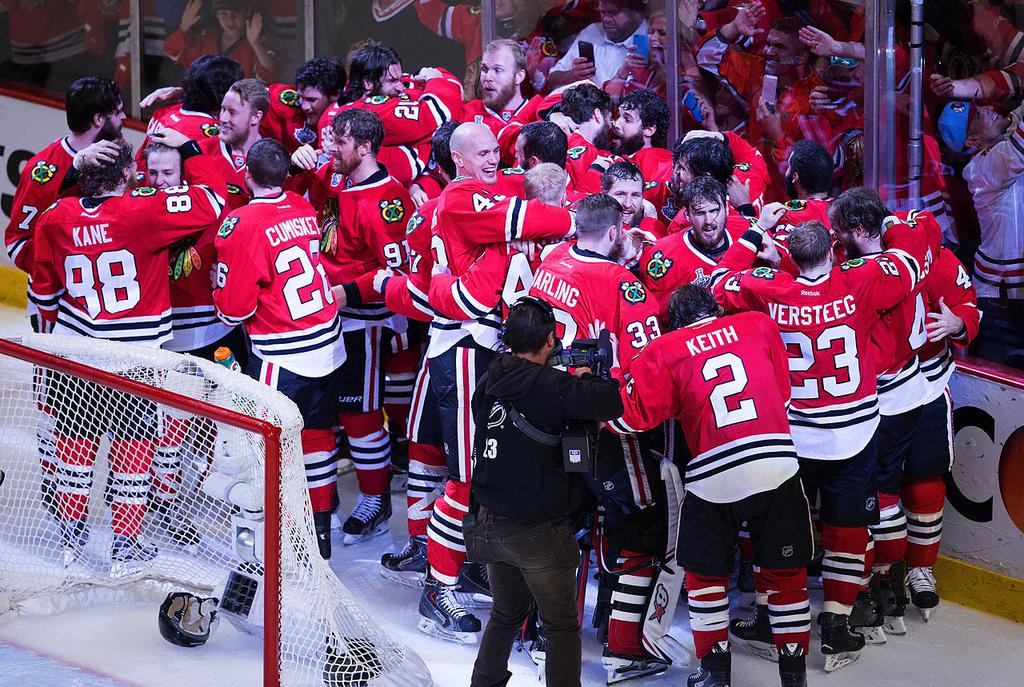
{"type": "Point", "coordinates": [524, 426]}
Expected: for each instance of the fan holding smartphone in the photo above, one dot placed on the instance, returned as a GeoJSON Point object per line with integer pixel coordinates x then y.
{"type": "Point", "coordinates": [601, 48]}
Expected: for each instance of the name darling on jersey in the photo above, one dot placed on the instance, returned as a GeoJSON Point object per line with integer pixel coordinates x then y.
{"type": "Point", "coordinates": [557, 289]}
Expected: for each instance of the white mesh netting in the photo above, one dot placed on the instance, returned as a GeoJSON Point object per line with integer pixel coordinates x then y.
{"type": "Point", "coordinates": [110, 496]}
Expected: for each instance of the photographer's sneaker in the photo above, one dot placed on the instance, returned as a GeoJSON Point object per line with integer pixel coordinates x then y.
{"type": "Point", "coordinates": [369, 518]}
{"type": "Point", "coordinates": [441, 614]}
{"type": "Point", "coordinates": [407, 567]}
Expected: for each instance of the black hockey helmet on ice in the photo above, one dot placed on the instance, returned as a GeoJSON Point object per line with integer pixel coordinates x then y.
{"type": "Point", "coordinates": [186, 619]}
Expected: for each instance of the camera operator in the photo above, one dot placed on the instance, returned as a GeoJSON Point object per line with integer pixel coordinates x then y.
{"type": "Point", "coordinates": [524, 496]}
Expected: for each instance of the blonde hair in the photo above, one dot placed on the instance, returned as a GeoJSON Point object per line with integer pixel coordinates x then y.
{"type": "Point", "coordinates": [546, 183]}
{"type": "Point", "coordinates": [253, 93]}
{"type": "Point", "coordinates": [514, 47]}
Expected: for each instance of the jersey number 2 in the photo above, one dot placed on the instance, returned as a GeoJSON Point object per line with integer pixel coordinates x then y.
{"type": "Point", "coordinates": [724, 392]}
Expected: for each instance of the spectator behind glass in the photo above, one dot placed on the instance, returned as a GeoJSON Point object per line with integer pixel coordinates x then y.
{"type": "Point", "coordinates": [611, 37]}
{"type": "Point", "coordinates": [995, 178]}
{"type": "Point", "coordinates": [238, 34]}
{"type": "Point", "coordinates": [639, 72]}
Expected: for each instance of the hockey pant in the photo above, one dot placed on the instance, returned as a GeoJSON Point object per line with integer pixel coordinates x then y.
{"type": "Point", "coordinates": [428, 469]}
{"type": "Point", "coordinates": [896, 434]}
{"type": "Point", "coordinates": [453, 379]}
{"type": "Point", "coordinates": [360, 408]}
{"type": "Point", "coordinates": [400, 368]}
{"type": "Point", "coordinates": [788, 608]}
{"type": "Point", "coordinates": [923, 491]}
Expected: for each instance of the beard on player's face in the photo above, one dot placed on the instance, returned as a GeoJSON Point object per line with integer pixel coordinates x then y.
{"type": "Point", "coordinates": [601, 137]}
{"type": "Point", "coordinates": [110, 131]}
{"type": "Point", "coordinates": [627, 145]}
{"type": "Point", "coordinates": [499, 97]}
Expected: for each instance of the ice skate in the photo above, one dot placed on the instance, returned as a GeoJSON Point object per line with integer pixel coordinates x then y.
{"type": "Point", "coordinates": [921, 583]}
{"type": "Point", "coordinates": [408, 567]}
{"type": "Point", "coordinates": [442, 616]}
{"type": "Point", "coordinates": [840, 646]}
{"type": "Point", "coordinates": [399, 464]}
{"type": "Point", "coordinates": [715, 668]}
{"type": "Point", "coordinates": [474, 588]}
{"type": "Point", "coordinates": [621, 668]}
{"type": "Point", "coordinates": [172, 521]}
{"type": "Point", "coordinates": [369, 519]}
{"type": "Point", "coordinates": [755, 634]}
{"type": "Point", "coordinates": [128, 555]}
{"type": "Point", "coordinates": [74, 534]}
{"type": "Point", "coordinates": [792, 666]}
{"type": "Point", "coordinates": [891, 594]}
{"type": "Point", "coordinates": [866, 619]}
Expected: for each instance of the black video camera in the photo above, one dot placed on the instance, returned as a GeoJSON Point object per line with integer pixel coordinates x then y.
{"type": "Point", "coordinates": [593, 353]}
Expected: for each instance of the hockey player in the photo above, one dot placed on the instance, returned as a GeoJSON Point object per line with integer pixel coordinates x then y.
{"type": "Point", "coordinates": [640, 133]}
{"type": "Point", "coordinates": [827, 313]}
{"type": "Point", "coordinates": [294, 115]}
{"type": "Point", "coordinates": [692, 255]}
{"type": "Point", "coordinates": [540, 142]}
{"type": "Point", "coordinates": [95, 115]}
{"type": "Point", "coordinates": [469, 216]}
{"type": "Point", "coordinates": [727, 381]}
{"type": "Point", "coordinates": [808, 182]}
{"type": "Point", "coordinates": [201, 93]}
{"type": "Point", "coordinates": [408, 295]}
{"type": "Point", "coordinates": [502, 73]}
{"type": "Point", "coordinates": [590, 291]}
{"type": "Point", "coordinates": [901, 389]}
{"type": "Point", "coordinates": [624, 182]}
{"type": "Point", "coordinates": [95, 275]}
{"type": "Point", "coordinates": [365, 233]}
{"type": "Point", "coordinates": [953, 320]}
{"type": "Point", "coordinates": [271, 281]}
{"type": "Point", "coordinates": [220, 162]}
{"type": "Point", "coordinates": [590, 110]}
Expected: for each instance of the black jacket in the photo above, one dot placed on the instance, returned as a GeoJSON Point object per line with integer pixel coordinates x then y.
{"type": "Point", "coordinates": [514, 475]}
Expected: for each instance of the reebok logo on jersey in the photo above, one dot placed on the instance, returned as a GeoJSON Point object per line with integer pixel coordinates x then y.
{"type": "Point", "coordinates": [633, 292]}
{"type": "Point", "coordinates": [658, 266]}
{"type": "Point", "coordinates": [43, 172]}
{"type": "Point", "coordinates": [227, 227]}
{"type": "Point", "coordinates": [392, 211]}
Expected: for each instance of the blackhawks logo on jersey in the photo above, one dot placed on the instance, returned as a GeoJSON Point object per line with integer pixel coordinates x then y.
{"type": "Point", "coordinates": [376, 100]}
{"type": "Point", "coordinates": [143, 192]}
{"type": "Point", "coordinates": [742, 166]}
{"type": "Point", "coordinates": [796, 205]}
{"type": "Point", "coordinates": [210, 130]}
{"type": "Point", "coordinates": [184, 259]}
{"type": "Point", "coordinates": [414, 223]}
{"type": "Point", "coordinates": [633, 292]}
{"type": "Point", "coordinates": [43, 172]}
{"type": "Point", "coordinates": [658, 266]}
{"type": "Point", "coordinates": [235, 189]}
{"type": "Point", "coordinates": [853, 263]}
{"type": "Point", "coordinates": [576, 152]}
{"type": "Point", "coordinates": [227, 227]}
{"type": "Point", "coordinates": [648, 185]}
{"type": "Point", "coordinates": [289, 97]}
{"type": "Point", "coordinates": [392, 210]}
{"type": "Point", "coordinates": [763, 273]}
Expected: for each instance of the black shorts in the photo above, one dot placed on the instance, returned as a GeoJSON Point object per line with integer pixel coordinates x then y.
{"type": "Point", "coordinates": [316, 397]}
{"type": "Point", "coordinates": [931, 449]}
{"type": "Point", "coordinates": [453, 378]}
{"type": "Point", "coordinates": [847, 489]}
{"type": "Point", "coordinates": [361, 376]}
{"type": "Point", "coordinates": [424, 421]}
{"type": "Point", "coordinates": [86, 410]}
{"type": "Point", "coordinates": [779, 524]}
{"type": "Point", "coordinates": [895, 435]}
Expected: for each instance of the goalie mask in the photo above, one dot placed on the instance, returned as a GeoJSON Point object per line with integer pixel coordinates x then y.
{"type": "Point", "coordinates": [186, 619]}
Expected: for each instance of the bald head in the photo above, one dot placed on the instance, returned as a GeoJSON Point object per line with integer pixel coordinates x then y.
{"type": "Point", "coordinates": [475, 152]}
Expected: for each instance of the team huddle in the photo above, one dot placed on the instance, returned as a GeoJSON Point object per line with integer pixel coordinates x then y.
{"type": "Point", "coordinates": [356, 239]}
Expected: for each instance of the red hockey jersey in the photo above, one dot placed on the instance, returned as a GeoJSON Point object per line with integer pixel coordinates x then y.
{"type": "Point", "coordinates": [219, 168]}
{"type": "Point", "coordinates": [285, 121]}
{"type": "Point", "coordinates": [656, 166]}
{"type": "Point", "coordinates": [44, 178]}
{"type": "Point", "coordinates": [193, 316]}
{"type": "Point", "coordinates": [366, 233]}
{"type": "Point", "coordinates": [585, 164]}
{"type": "Point", "coordinates": [96, 274]}
{"type": "Point", "coordinates": [471, 215]}
{"type": "Point", "coordinates": [676, 260]}
{"type": "Point", "coordinates": [901, 333]}
{"type": "Point", "coordinates": [270, 278]}
{"type": "Point", "coordinates": [408, 295]}
{"type": "Point", "coordinates": [726, 381]}
{"type": "Point", "coordinates": [826, 325]}
{"type": "Point", "coordinates": [476, 111]}
{"type": "Point", "coordinates": [949, 282]}
{"type": "Point", "coordinates": [589, 293]}
{"type": "Point", "coordinates": [198, 126]}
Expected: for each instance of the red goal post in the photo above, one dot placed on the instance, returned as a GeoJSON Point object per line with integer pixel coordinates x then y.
{"type": "Point", "coordinates": [314, 632]}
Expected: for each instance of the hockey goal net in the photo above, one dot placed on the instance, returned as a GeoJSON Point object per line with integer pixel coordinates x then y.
{"type": "Point", "coordinates": [132, 472]}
